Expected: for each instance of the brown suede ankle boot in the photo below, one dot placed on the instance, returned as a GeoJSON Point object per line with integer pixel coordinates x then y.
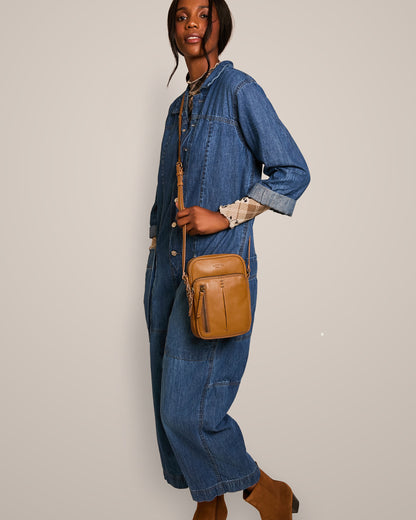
{"type": "Point", "coordinates": [274, 499]}
{"type": "Point", "coordinates": [213, 510]}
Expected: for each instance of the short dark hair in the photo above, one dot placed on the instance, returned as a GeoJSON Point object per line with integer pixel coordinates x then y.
{"type": "Point", "coordinates": [226, 27]}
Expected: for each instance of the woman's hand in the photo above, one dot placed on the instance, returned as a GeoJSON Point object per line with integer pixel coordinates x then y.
{"type": "Point", "coordinates": [201, 221]}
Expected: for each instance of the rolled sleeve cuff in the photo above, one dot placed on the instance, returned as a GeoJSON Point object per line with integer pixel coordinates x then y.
{"type": "Point", "coordinates": [275, 201]}
{"type": "Point", "coordinates": [152, 230]}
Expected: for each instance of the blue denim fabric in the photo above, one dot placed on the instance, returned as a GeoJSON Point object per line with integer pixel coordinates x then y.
{"type": "Point", "coordinates": [233, 132]}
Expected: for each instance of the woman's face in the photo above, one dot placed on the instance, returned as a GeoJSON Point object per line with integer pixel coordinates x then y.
{"type": "Point", "coordinates": [191, 24]}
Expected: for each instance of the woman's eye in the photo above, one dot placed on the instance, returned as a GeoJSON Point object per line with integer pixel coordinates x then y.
{"type": "Point", "coordinates": [183, 17]}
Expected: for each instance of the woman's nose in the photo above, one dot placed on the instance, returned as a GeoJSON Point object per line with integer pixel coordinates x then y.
{"type": "Point", "coordinates": [192, 23]}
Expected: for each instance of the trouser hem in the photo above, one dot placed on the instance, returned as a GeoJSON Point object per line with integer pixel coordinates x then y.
{"type": "Point", "coordinates": [226, 486]}
{"type": "Point", "coordinates": [177, 481]}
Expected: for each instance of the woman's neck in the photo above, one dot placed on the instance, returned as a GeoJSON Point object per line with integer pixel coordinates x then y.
{"type": "Point", "coordinates": [198, 66]}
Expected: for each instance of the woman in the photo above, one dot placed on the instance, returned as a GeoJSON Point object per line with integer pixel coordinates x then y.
{"type": "Point", "coordinates": [229, 131]}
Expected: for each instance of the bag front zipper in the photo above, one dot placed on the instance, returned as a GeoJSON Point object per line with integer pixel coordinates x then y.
{"type": "Point", "coordinates": [202, 308]}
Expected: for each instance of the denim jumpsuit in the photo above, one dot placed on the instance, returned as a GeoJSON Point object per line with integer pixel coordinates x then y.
{"type": "Point", "coordinates": [234, 133]}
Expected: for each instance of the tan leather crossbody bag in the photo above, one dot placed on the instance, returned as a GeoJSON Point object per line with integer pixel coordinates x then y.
{"type": "Point", "coordinates": [217, 285]}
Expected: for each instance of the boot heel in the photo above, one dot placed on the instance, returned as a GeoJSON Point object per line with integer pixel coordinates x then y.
{"type": "Point", "coordinates": [295, 504]}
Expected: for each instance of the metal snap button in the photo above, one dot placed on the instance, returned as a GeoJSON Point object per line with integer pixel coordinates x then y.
{"type": "Point", "coordinates": [173, 224]}
{"type": "Point", "coordinates": [173, 253]}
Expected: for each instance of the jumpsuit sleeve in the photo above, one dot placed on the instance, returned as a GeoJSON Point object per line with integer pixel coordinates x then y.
{"type": "Point", "coordinates": [271, 144]}
{"type": "Point", "coordinates": [153, 220]}
{"type": "Point", "coordinates": [154, 223]}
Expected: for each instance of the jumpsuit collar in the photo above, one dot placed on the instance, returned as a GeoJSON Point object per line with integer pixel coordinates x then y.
{"type": "Point", "coordinates": [215, 73]}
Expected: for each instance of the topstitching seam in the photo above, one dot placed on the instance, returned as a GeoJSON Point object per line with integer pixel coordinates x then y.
{"type": "Point", "coordinates": [201, 414]}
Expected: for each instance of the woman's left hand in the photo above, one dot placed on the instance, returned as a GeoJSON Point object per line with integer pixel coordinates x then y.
{"type": "Point", "coordinates": [201, 221]}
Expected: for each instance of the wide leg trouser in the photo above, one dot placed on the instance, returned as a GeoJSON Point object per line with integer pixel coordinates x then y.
{"type": "Point", "coordinates": [194, 383]}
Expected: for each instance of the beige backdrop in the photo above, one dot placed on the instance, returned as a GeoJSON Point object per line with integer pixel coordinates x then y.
{"type": "Point", "coordinates": [327, 400]}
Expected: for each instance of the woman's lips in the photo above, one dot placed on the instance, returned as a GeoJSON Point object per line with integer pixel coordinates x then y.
{"type": "Point", "coordinates": [192, 39]}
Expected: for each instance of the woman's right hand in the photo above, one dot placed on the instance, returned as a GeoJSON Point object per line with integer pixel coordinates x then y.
{"type": "Point", "coordinates": [201, 221]}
